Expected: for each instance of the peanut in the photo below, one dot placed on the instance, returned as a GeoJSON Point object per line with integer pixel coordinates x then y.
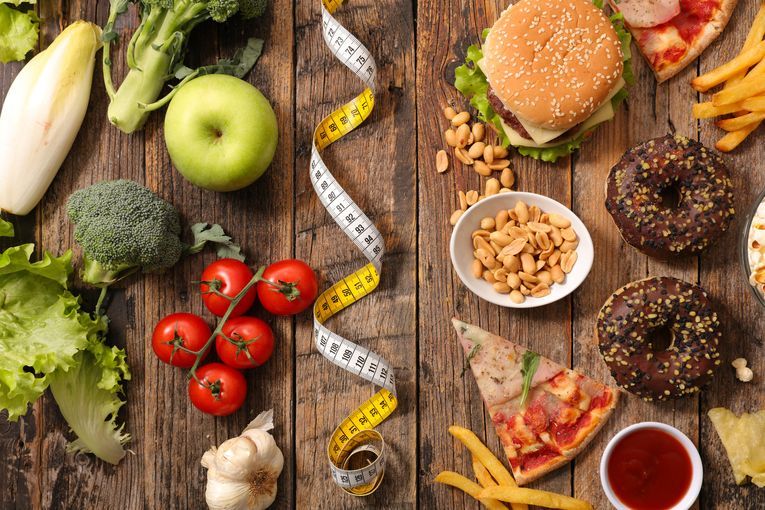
{"type": "Point", "coordinates": [442, 161]}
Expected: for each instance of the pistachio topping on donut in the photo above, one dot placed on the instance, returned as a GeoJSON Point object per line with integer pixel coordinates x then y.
{"type": "Point", "coordinates": [629, 330]}
{"type": "Point", "coordinates": [670, 196]}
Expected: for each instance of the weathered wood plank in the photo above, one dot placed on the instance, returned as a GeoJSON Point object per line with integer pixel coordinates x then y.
{"type": "Point", "coordinates": [445, 30]}
{"type": "Point", "coordinates": [376, 166]}
{"type": "Point", "coordinates": [651, 110]}
{"type": "Point", "coordinates": [263, 225]}
{"type": "Point", "coordinates": [740, 314]}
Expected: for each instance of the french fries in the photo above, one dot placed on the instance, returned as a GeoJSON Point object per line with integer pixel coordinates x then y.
{"type": "Point", "coordinates": [534, 497]}
{"type": "Point", "coordinates": [485, 457]}
{"type": "Point", "coordinates": [743, 93]}
{"type": "Point", "coordinates": [740, 122]}
{"type": "Point", "coordinates": [482, 474]}
{"type": "Point", "coordinates": [468, 487]}
{"type": "Point", "coordinates": [496, 482]}
{"type": "Point", "coordinates": [730, 69]}
{"type": "Point", "coordinates": [483, 454]}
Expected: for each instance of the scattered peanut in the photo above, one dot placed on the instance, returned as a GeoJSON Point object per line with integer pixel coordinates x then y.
{"type": "Point", "coordinates": [507, 178]}
{"type": "Point", "coordinates": [449, 113]}
{"type": "Point", "coordinates": [442, 161]}
{"type": "Point", "coordinates": [463, 135]}
{"type": "Point", "coordinates": [479, 131]}
{"type": "Point", "coordinates": [451, 137]}
{"type": "Point", "coordinates": [488, 154]}
{"type": "Point", "coordinates": [462, 155]}
{"type": "Point", "coordinates": [482, 168]}
{"type": "Point", "coordinates": [520, 252]}
{"type": "Point", "coordinates": [460, 119]}
{"type": "Point", "coordinates": [455, 216]}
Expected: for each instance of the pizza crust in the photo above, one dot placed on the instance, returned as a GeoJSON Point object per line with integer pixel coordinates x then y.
{"type": "Point", "coordinates": [711, 31]}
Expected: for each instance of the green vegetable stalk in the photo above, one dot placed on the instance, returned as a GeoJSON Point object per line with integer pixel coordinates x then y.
{"type": "Point", "coordinates": [155, 53]}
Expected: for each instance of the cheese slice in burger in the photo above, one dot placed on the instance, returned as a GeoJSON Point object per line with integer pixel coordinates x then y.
{"type": "Point", "coordinates": [549, 72]}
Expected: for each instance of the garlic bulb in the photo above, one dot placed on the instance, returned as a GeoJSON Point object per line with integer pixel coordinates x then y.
{"type": "Point", "coordinates": [242, 472]}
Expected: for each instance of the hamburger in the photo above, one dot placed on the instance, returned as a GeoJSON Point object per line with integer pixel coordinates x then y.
{"type": "Point", "coordinates": [547, 74]}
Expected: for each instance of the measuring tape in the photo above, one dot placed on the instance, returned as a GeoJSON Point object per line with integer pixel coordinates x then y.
{"type": "Point", "coordinates": [356, 451]}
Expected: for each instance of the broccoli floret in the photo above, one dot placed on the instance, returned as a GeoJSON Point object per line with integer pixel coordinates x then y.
{"type": "Point", "coordinates": [156, 50]}
{"type": "Point", "coordinates": [252, 8]}
{"type": "Point", "coordinates": [123, 227]}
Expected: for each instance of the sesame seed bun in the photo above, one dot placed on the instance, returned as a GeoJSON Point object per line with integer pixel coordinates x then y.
{"type": "Point", "coordinates": [553, 62]}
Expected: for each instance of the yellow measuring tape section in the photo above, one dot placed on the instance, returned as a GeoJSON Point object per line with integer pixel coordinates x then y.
{"type": "Point", "coordinates": [356, 451]}
{"type": "Point", "coordinates": [344, 120]}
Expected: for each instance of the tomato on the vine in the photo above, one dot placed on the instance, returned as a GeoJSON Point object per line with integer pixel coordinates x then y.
{"type": "Point", "coordinates": [247, 342]}
{"type": "Point", "coordinates": [218, 389]}
{"type": "Point", "coordinates": [288, 287]}
{"type": "Point", "coordinates": [228, 277]}
{"type": "Point", "coordinates": [180, 331]}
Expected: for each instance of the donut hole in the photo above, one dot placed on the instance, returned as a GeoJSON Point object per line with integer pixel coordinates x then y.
{"type": "Point", "coordinates": [661, 338]}
{"type": "Point", "coordinates": [670, 196]}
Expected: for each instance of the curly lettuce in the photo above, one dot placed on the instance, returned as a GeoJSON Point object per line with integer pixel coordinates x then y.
{"type": "Point", "coordinates": [46, 339]}
{"type": "Point", "coordinates": [18, 31]}
{"type": "Point", "coordinates": [88, 396]}
{"type": "Point", "coordinates": [472, 83]}
{"type": "Point", "coordinates": [6, 228]}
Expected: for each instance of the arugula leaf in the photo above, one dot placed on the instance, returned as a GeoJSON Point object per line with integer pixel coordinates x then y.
{"type": "Point", "coordinates": [18, 33]}
{"type": "Point", "coordinates": [529, 365]}
{"type": "Point", "coordinates": [469, 358]}
{"type": "Point", "coordinates": [204, 233]}
{"type": "Point", "coordinates": [6, 228]}
{"type": "Point", "coordinates": [472, 83]}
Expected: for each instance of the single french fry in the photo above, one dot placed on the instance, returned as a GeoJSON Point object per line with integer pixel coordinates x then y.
{"type": "Point", "coordinates": [740, 92]}
{"type": "Point", "coordinates": [726, 71]}
{"type": "Point", "coordinates": [707, 110]}
{"type": "Point", "coordinates": [534, 497]}
{"type": "Point", "coordinates": [740, 122]}
{"type": "Point", "coordinates": [482, 474]}
{"type": "Point", "coordinates": [756, 34]}
{"type": "Point", "coordinates": [753, 104]}
{"type": "Point", "coordinates": [733, 139]}
{"type": "Point", "coordinates": [468, 487]}
{"type": "Point", "coordinates": [484, 455]}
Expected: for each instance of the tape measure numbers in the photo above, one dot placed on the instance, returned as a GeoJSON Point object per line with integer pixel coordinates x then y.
{"type": "Point", "coordinates": [356, 451]}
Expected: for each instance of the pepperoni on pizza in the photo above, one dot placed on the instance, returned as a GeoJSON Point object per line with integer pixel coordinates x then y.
{"type": "Point", "coordinates": [673, 33]}
{"type": "Point", "coordinates": [546, 425]}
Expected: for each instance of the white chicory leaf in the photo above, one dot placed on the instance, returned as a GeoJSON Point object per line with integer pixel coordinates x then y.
{"type": "Point", "coordinates": [42, 114]}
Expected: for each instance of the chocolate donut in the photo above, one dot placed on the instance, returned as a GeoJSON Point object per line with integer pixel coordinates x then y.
{"type": "Point", "coordinates": [670, 196]}
{"type": "Point", "coordinates": [630, 323]}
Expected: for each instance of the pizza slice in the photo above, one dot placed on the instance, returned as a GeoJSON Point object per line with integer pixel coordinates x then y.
{"type": "Point", "coordinates": [544, 413]}
{"type": "Point", "coordinates": [673, 33]}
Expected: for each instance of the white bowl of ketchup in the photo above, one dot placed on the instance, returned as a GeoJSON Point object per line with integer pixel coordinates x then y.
{"type": "Point", "coordinates": [651, 466]}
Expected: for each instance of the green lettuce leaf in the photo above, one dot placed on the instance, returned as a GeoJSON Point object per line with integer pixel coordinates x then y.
{"type": "Point", "coordinates": [89, 397]}
{"type": "Point", "coordinates": [6, 228]}
{"type": "Point", "coordinates": [41, 325]}
{"type": "Point", "coordinates": [18, 33]}
{"type": "Point", "coordinates": [18, 2]}
{"type": "Point", "coordinates": [472, 83]}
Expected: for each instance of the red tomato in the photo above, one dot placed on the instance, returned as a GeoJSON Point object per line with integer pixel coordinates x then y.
{"type": "Point", "coordinates": [180, 330]}
{"type": "Point", "coordinates": [229, 277]}
{"type": "Point", "coordinates": [250, 335]}
{"type": "Point", "coordinates": [291, 287]}
{"type": "Point", "coordinates": [220, 390]}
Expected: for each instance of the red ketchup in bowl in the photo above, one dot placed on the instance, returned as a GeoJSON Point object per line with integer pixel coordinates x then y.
{"type": "Point", "coordinates": [649, 470]}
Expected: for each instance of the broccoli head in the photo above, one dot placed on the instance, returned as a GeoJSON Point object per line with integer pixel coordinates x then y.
{"type": "Point", "coordinates": [123, 227]}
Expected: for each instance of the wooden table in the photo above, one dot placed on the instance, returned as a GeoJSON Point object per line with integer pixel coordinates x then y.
{"type": "Point", "coordinates": [388, 166]}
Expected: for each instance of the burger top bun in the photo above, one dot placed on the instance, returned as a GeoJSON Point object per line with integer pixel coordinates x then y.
{"type": "Point", "coordinates": [552, 62]}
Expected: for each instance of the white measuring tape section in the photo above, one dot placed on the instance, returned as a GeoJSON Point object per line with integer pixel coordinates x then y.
{"type": "Point", "coordinates": [356, 451]}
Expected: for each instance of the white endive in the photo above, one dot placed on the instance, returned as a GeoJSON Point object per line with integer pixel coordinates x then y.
{"type": "Point", "coordinates": [42, 113]}
{"type": "Point", "coordinates": [242, 472]}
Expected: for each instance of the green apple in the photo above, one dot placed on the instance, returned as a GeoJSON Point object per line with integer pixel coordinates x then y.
{"type": "Point", "coordinates": [221, 132]}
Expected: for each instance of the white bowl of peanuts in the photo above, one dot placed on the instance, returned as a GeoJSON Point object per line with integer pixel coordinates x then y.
{"type": "Point", "coordinates": [521, 250]}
